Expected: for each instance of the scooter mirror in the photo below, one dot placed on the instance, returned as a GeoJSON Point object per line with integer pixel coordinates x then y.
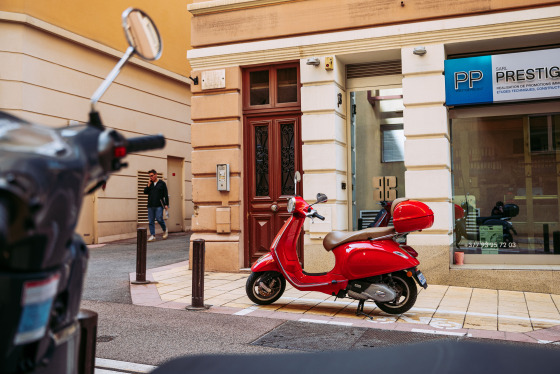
{"type": "Point", "coordinates": [143, 39]}
{"type": "Point", "coordinates": [142, 34]}
{"type": "Point", "coordinates": [297, 178]}
{"type": "Point", "coordinates": [322, 198]}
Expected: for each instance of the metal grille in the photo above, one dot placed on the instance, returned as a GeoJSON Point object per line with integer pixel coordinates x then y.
{"type": "Point", "coordinates": [376, 69]}
{"type": "Point", "coordinates": [261, 160]}
{"type": "Point", "coordinates": [142, 206]}
{"type": "Point", "coordinates": [288, 160]}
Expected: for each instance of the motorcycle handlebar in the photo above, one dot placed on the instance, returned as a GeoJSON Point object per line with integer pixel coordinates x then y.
{"type": "Point", "coordinates": [145, 143]}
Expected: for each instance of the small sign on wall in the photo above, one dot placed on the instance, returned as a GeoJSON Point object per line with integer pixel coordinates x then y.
{"type": "Point", "coordinates": [213, 79]}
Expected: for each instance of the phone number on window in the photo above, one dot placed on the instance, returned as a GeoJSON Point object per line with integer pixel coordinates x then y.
{"type": "Point", "coordinates": [492, 245]}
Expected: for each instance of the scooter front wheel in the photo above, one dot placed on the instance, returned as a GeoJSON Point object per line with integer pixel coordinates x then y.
{"type": "Point", "coordinates": [265, 287]}
{"type": "Point", "coordinates": [406, 295]}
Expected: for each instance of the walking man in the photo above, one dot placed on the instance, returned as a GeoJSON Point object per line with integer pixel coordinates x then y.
{"type": "Point", "coordinates": [158, 200]}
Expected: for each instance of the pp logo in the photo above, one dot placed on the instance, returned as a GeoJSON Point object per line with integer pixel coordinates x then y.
{"type": "Point", "coordinates": [467, 77]}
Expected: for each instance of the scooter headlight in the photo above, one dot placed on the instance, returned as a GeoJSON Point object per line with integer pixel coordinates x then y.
{"type": "Point", "coordinates": [291, 204]}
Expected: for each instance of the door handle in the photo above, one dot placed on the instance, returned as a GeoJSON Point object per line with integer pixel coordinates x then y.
{"type": "Point", "coordinates": [274, 208]}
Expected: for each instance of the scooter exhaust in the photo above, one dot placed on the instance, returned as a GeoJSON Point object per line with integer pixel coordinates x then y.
{"type": "Point", "coordinates": [378, 292]}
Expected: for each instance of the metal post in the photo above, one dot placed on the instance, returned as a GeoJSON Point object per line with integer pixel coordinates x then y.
{"type": "Point", "coordinates": [556, 242]}
{"type": "Point", "coordinates": [197, 299]}
{"type": "Point", "coordinates": [141, 250]}
{"type": "Point", "coordinates": [88, 339]}
{"type": "Point", "coordinates": [546, 238]}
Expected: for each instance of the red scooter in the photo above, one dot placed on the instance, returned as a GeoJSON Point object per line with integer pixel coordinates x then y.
{"type": "Point", "coordinates": [370, 264]}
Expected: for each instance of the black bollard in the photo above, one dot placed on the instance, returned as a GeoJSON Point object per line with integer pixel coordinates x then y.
{"type": "Point", "coordinates": [141, 251]}
{"type": "Point", "coordinates": [546, 238]}
{"type": "Point", "coordinates": [556, 242]}
{"type": "Point", "coordinates": [197, 299]}
{"type": "Point", "coordinates": [88, 339]}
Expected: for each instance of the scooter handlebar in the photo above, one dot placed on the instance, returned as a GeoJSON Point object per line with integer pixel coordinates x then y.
{"type": "Point", "coordinates": [314, 214]}
{"type": "Point", "coordinates": [145, 143]}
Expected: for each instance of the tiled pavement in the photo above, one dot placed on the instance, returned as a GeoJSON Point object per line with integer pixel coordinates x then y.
{"type": "Point", "coordinates": [481, 313]}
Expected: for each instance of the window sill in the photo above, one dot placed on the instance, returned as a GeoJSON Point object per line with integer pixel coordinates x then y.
{"type": "Point", "coordinates": [505, 267]}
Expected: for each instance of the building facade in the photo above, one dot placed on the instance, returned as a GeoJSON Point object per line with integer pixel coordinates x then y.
{"type": "Point", "coordinates": [434, 101]}
{"type": "Point", "coordinates": [54, 54]}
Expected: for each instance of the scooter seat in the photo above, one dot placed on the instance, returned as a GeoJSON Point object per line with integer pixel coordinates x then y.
{"type": "Point", "coordinates": [336, 238]}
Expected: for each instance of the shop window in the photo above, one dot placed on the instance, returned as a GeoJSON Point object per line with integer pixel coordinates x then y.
{"type": "Point", "coordinates": [271, 87]}
{"type": "Point", "coordinates": [506, 181]}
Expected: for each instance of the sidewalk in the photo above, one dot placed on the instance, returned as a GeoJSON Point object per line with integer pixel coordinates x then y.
{"type": "Point", "coordinates": [473, 312]}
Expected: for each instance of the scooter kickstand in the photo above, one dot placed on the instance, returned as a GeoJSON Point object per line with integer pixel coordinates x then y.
{"type": "Point", "coordinates": [360, 310]}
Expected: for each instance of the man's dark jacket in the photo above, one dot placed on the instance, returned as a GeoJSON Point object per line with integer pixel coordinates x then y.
{"type": "Point", "coordinates": [157, 195]}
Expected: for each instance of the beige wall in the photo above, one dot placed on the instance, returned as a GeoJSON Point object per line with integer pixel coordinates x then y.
{"type": "Point", "coordinates": [221, 22]}
{"type": "Point", "coordinates": [48, 75]}
{"type": "Point", "coordinates": [217, 139]}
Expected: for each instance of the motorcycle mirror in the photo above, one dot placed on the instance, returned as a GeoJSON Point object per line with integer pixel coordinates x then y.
{"type": "Point", "coordinates": [322, 198]}
{"type": "Point", "coordinates": [143, 39]}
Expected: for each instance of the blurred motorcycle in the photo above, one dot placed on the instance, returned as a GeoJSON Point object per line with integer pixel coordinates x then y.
{"type": "Point", "coordinates": [44, 175]}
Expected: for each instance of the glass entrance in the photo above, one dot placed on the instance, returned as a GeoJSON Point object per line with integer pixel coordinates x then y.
{"type": "Point", "coordinates": [376, 153]}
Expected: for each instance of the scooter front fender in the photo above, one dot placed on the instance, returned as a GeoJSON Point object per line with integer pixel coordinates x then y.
{"type": "Point", "coordinates": [265, 263]}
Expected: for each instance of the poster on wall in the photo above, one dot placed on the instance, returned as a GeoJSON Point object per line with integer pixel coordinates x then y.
{"type": "Point", "coordinates": [501, 78]}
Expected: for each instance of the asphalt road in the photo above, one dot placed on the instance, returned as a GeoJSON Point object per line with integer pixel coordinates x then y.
{"type": "Point", "coordinates": [150, 335]}
{"type": "Point", "coordinates": [107, 277]}
{"type": "Point", "coordinates": [153, 336]}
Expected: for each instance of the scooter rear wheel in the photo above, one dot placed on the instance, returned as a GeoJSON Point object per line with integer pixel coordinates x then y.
{"type": "Point", "coordinates": [406, 295]}
{"type": "Point", "coordinates": [265, 287]}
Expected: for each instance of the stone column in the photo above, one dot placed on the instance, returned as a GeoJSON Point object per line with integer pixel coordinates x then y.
{"type": "Point", "coordinates": [217, 135]}
{"type": "Point", "coordinates": [427, 155]}
{"type": "Point", "coordinates": [323, 105]}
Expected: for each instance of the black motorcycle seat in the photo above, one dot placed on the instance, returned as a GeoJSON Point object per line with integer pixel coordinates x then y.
{"type": "Point", "coordinates": [336, 238]}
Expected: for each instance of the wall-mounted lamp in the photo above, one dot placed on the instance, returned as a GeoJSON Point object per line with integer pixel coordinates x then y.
{"type": "Point", "coordinates": [195, 80]}
{"type": "Point", "coordinates": [313, 61]}
{"type": "Point", "coordinates": [420, 51]}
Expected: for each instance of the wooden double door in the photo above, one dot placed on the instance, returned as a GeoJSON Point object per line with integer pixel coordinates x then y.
{"type": "Point", "coordinates": [272, 156]}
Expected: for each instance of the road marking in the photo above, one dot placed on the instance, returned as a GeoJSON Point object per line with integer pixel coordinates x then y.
{"type": "Point", "coordinates": [102, 364]}
{"type": "Point", "coordinates": [321, 321]}
{"type": "Point", "coordinates": [246, 311]}
{"type": "Point", "coordinates": [484, 315]}
{"type": "Point", "coordinates": [436, 332]}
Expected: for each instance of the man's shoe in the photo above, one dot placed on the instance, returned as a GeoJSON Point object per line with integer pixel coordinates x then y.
{"type": "Point", "coordinates": [152, 239]}
{"type": "Point", "coordinates": [165, 234]}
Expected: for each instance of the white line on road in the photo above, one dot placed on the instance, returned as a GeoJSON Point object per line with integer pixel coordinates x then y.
{"type": "Point", "coordinates": [246, 311]}
{"type": "Point", "coordinates": [102, 363]}
{"type": "Point", "coordinates": [436, 332]}
{"type": "Point", "coordinates": [325, 322]}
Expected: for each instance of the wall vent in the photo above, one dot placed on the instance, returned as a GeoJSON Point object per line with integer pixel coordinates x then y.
{"type": "Point", "coordinates": [375, 69]}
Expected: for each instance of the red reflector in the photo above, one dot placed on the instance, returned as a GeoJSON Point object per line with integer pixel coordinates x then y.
{"type": "Point", "coordinates": [120, 152]}
{"type": "Point", "coordinates": [410, 250]}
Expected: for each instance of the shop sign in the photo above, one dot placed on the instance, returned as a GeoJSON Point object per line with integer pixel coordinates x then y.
{"type": "Point", "coordinates": [500, 78]}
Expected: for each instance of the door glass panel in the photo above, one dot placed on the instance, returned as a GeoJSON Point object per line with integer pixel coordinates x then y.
{"type": "Point", "coordinates": [377, 150]}
{"type": "Point", "coordinates": [287, 158]}
{"type": "Point", "coordinates": [261, 161]}
{"type": "Point", "coordinates": [287, 85]}
{"type": "Point", "coordinates": [259, 87]}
